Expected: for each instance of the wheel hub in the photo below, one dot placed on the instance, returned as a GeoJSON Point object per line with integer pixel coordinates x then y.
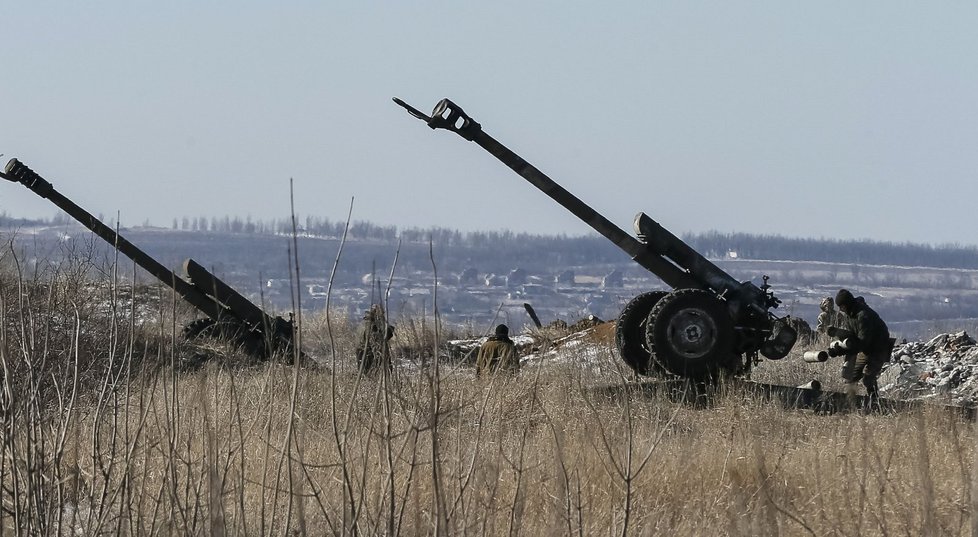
{"type": "Point", "coordinates": [692, 333]}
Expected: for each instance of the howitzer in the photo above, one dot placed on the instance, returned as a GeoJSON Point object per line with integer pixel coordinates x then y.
{"type": "Point", "coordinates": [229, 314]}
{"type": "Point", "coordinates": [709, 323]}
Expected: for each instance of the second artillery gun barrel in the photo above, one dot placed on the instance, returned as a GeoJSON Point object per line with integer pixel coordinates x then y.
{"type": "Point", "coordinates": [18, 172]}
{"type": "Point", "coordinates": [229, 314]}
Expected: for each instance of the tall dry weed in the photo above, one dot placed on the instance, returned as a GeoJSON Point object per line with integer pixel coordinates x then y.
{"type": "Point", "coordinates": [105, 432]}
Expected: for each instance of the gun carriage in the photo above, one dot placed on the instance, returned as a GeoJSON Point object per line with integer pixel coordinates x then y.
{"type": "Point", "coordinates": [709, 324]}
{"type": "Point", "coordinates": [230, 315]}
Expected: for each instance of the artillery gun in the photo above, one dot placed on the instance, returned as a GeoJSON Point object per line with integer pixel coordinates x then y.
{"type": "Point", "coordinates": [707, 326]}
{"type": "Point", "coordinates": [230, 315]}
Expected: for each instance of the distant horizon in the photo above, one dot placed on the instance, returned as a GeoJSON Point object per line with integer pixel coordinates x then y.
{"type": "Point", "coordinates": [590, 233]}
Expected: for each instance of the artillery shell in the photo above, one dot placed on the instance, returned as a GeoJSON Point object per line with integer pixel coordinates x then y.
{"type": "Point", "coordinates": [816, 356]}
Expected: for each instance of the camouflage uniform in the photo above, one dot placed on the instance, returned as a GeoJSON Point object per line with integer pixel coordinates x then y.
{"type": "Point", "coordinates": [372, 350]}
{"type": "Point", "coordinates": [868, 346]}
{"type": "Point", "coordinates": [497, 354]}
{"type": "Point", "coordinates": [828, 319]}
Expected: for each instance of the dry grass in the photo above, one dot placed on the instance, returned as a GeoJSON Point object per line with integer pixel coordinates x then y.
{"type": "Point", "coordinates": [141, 447]}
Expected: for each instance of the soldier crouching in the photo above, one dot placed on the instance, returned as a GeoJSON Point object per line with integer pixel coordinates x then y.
{"type": "Point", "coordinates": [867, 344]}
{"type": "Point", "coordinates": [498, 353]}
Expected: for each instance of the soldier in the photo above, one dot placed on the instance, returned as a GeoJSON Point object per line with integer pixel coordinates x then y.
{"type": "Point", "coordinates": [498, 353]}
{"type": "Point", "coordinates": [866, 344]}
{"type": "Point", "coordinates": [372, 340]}
{"type": "Point", "coordinates": [827, 318]}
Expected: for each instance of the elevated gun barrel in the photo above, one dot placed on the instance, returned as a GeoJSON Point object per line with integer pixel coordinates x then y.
{"type": "Point", "coordinates": [708, 323]}
{"type": "Point", "coordinates": [659, 251]}
{"type": "Point", "coordinates": [18, 172]}
{"type": "Point", "coordinates": [447, 115]}
{"type": "Point", "coordinates": [211, 296]}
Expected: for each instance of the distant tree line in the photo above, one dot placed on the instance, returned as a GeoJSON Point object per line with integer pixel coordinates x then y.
{"type": "Point", "coordinates": [10, 222]}
{"type": "Point", "coordinates": [588, 249]}
{"type": "Point", "coordinates": [775, 247]}
{"type": "Point", "coordinates": [593, 248]}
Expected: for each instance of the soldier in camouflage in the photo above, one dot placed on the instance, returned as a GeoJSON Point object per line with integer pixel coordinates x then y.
{"type": "Point", "coordinates": [498, 353]}
{"type": "Point", "coordinates": [372, 341]}
{"type": "Point", "coordinates": [828, 318]}
{"type": "Point", "coordinates": [865, 343]}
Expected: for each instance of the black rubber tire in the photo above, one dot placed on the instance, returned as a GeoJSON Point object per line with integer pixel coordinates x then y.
{"type": "Point", "coordinates": [231, 332]}
{"type": "Point", "coordinates": [630, 332]}
{"type": "Point", "coordinates": [690, 334]}
{"type": "Point", "coordinates": [228, 330]}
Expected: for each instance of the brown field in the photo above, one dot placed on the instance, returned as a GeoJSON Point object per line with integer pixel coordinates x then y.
{"type": "Point", "coordinates": [109, 428]}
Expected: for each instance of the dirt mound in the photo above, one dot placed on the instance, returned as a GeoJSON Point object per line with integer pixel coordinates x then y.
{"type": "Point", "coordinates": [602, 334]}
{"type": "Point", "coordinates": [590, 331]}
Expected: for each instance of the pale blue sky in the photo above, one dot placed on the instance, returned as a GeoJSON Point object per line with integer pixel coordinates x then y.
{"type": "Point", "coordinates": [815, 119]}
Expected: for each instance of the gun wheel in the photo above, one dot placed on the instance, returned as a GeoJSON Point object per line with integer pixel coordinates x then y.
{"type": "Point", "coordinates": [690, 334]}
{"type": "Point", "coordinates": [227, 330]}
{"type": "Point", "coordinates": [198, 328]}
{"type": "Point", "coordinates": [630, 332]}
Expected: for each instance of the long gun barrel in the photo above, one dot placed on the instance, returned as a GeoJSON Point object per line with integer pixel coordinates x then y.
{"type": "Point", "coordinates": [18, 172]}
{"type": "Point", "coordinates": [205, 291]}
{"type": "Point", "coordinates": [694, 330]}
{"type": "Point", "coordinates": [661, 253]}
{"type": "Point", "coordinates": [449, 116]}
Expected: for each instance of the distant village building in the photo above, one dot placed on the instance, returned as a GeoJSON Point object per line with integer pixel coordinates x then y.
{"type": "Point", "coordinates": [565, 277]}
{"type": "Point", "coordinates": [516, 277]}
{"type": "Point", "coordinates": [417, 291]}
{"type": "Point", "coordinates": [316, 290]}
{"type": "Point", "coordinates": [535, 290]}
{"type": "Point", "coordinates": [274, 288]}
{"type": "Point", "coordinates": [495, 280]}
{"type": "Point", "coordinates": [469, 276]}
{"type": "Point", "coordinates": [598, 302]}
{"type": "Point", "coordinates": [371, 281]}
{"type": "Point", "coordinates": [615, 278]}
